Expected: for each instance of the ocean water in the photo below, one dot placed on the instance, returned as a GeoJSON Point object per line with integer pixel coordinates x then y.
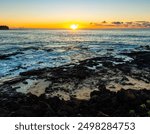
{"type": "Point", "coordinates": [22, 50]}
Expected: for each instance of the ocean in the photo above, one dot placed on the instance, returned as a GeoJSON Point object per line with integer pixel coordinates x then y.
{"type": "Point", "coordinates": [23, 50]}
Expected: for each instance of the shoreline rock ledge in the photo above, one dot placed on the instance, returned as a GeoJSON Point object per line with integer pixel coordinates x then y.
{"type": "Point", "coordinates": [4, 28]}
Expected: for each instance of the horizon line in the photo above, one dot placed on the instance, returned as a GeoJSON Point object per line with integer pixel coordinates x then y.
{"type": "Point", "coordinates": [115, 28]}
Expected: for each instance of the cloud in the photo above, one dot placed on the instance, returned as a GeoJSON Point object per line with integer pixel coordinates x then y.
{"type": "Point", "coordinates": [104, 22]}
{"type": "Point", "coordinates": [117, 23]}
{"type": "Point", "coordinates": [140, 24]}
{"type": "Point", "coordinates": [96, 24]}
{"type": "Point", "coordinates": [131, 24]}
{"type": "Point", "coordinates": [145, 23]}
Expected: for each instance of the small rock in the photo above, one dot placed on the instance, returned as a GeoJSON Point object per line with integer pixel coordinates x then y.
{"type": "Point", "coordinates": [148, 113]}
{"type": "Point", "coordinates": [25, 82]}
{"type": "Point", "coordinates": [101, 114]}
{"type": "Point", "coordinates": [148, 103]}
{"type": "Point", "coordinates": [126, 96]}
{"type": "Point", "coordinates": [143, 106]}
{"type": "Point", "coordinates": [142, 110]}
{"type": "Point", "coordinates": [132, 113]}
{"type": "Point", "coordinates": [3, 112]}
{"type": "Point", "coordinates": [94, 94]}
{"type": "Point", "coordinates": [102, 87]}
{"type": "Point", "coordinates": [23, 113]}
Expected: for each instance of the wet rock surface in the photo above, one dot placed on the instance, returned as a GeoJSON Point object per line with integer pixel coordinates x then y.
{"type": "Point", "coordinates": [93, 87]}
{"type": "Point", "coordinates": [7, 56]}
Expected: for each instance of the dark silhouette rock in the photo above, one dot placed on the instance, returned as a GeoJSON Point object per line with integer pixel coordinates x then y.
{"type": "Point", "coordinates": [4, 28]}
{"type": "Point", "coordinates": [126, 95]}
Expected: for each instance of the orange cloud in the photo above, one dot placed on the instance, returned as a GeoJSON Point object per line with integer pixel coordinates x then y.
{"type": "Point", "coordinates": [120, 24]}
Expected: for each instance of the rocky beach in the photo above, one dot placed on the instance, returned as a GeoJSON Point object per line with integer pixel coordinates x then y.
{"type": "Point", "coordinates": [103, 86]}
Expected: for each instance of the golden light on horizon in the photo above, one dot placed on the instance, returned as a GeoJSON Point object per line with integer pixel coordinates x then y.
{"type": "Point", "coordinates": [74, 26]}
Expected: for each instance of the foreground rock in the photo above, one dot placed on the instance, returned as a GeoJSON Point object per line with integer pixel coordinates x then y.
{"type": "Point", "coordinates": [102, 103]}
{"type": "Point", "coordinates": [102, 86]}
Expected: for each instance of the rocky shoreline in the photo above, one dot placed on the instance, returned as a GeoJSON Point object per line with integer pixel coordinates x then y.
{"type": "Point", "coordinates": [99, 87]}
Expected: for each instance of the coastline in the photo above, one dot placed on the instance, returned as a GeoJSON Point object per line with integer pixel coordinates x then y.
{"type": "Point", "coordinates": [100, 86]}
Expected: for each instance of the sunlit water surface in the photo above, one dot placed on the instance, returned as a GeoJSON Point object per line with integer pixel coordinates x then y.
{"type": "Point", "coordinates": [33, 49]}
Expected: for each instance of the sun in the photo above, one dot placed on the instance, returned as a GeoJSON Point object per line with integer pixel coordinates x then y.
{"type": "Point", "coordinates": [74, 26]}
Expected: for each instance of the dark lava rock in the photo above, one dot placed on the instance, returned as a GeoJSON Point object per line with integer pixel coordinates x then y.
{"type": "Point", "coordinates": [140, 58]}
{"type": "Point", "coordinates": [126, 95]}
{"type": "Point", "coordinates": [101, 114]}
{"type": "Point", "coordinates": [33, 72]}
{"type": "Point", "coordinates": [147, 47]}
{"type": "Point", "coordinates": [132, 113]}
{"type": "Point", "coordinates": [43, 109]}
{"type": "Point", "coordinates": [6, 56]}
{"type": "Point", "coordinates": [102, 103]}
{"type": "Point", "coordinates": [23, 112]}
{"type": "Point", "coordinates": [4, 112]}
{"type": "Point", "coordinates": [148, 103]}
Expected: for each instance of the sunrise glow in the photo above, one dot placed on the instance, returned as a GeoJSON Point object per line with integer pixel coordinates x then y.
{"type": "Point", "coordinates": [74, 26]}
{"type": "Point", "coordinates": [88, 14]}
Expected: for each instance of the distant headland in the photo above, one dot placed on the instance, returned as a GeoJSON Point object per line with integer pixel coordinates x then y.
{"type": "Point", "coordinates": [4, 28]}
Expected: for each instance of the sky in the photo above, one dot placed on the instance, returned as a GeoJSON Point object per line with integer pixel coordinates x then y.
{"type": "Point", "coordinates": [85, 13]}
